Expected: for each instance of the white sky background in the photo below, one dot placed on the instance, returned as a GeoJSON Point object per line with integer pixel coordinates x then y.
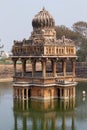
{"type": "Point", "coordinates": [16, 16]}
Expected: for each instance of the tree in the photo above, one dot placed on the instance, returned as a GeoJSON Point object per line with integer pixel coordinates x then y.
{"type": "Point", "coordinates": [82, 52]}
{"type": "Point", "coordinates": [63, 30]}
{"type": "Point", "coordinates": [80, 41]}
{"type": "Point", "coordinates": [80, 27]}
{"type": "Point", "coordinates": [68, 33]}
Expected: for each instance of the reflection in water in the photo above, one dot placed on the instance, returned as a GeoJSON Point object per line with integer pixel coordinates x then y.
{"type": "Point", "coordinates": [53, 115]}
{"type": "Point", "coordinates": [48, 115]}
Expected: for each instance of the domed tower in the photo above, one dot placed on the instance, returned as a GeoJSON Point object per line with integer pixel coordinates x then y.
{"type": "Point", "coordinates": [44, 25]}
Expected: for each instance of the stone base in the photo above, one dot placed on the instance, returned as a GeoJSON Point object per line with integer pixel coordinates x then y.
{"type": "Point", "coordinates": [44, 92]}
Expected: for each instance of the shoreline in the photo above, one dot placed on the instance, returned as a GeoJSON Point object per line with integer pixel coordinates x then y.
{"type": "Point", "coordinates": [11, 79]}
{"type": "Point", "coordinates": [6, 79]}
{"type": "Point", "coordinates": [81, 79]}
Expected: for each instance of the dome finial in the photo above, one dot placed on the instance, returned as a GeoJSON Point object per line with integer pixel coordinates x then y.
{"type": "Point", "coordinates": [43, 8]}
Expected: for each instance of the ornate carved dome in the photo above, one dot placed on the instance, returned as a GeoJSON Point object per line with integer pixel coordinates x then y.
{"type": "Point", "coordinates": [43, 19]}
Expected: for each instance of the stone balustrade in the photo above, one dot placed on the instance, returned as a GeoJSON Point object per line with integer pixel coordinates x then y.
{"type": "Point", "coordinates": [49, 74]}
{"type": "Point", "coordinates": [39, 74]}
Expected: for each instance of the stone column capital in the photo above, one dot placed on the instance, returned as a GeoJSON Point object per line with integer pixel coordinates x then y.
{"type": "Point", "coordinates": [64, 59]}
{"type": "Point", "coordinates": [14, 59]}
{"type": "Point", "coordinates": [54, 59]}
{"type": "Point", "coordinates": [43, 60]}
{"type": "Point", "coordinates": [73, 60]}
{"type": "Point", "coordinates": [33, 60]}
{"type": "Point", "coordinates": [23, 60]}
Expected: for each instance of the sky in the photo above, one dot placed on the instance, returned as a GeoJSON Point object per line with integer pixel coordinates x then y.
{"type": "Point", "coordinates": [16, 16]}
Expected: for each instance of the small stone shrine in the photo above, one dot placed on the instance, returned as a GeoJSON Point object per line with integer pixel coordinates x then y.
{"type": "Point", "coordinates": [42, 47]}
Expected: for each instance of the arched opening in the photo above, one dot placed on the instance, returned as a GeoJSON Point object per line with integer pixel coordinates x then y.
{"type": "Point", "coordinates": [24, 93]}
{"type": "Point", "coordinates": [58, 93]}
{"type": "Point", "coordinates": [19, 68]}
{"type": "Point", "coordinates": [29, 93]}
{"type": "Point", "coordinates": [38, 66]}
{"type": "Point", "coordinates": [28, 68]}
{"type": "Point", "coordinates": [38, 72]}
{"type": "Point", "coordinates": [49, 66]}
{"type": "Point", "coordinates": [18, 93]}
{"type": "Point", "coordinates": [62, 92]}
{"type": "Point", "coordinates": [68, 66]}
{"type": "Point", "coordinates": [59, 66]}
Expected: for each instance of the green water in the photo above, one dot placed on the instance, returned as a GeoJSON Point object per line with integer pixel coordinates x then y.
{"type": "Point", "coordinates": [50, 115]}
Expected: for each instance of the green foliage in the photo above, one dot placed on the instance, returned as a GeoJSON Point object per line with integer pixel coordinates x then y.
{"type": "Point", "coordinates": [63, 30]}
{"type": "Point", "coordinates": [82, 53]}
{"type": "Point", "coordinates": [80, 41]}
{"type": "Point", "coordinates": [81, 56]}
{"type": "Point", "coordinates": [81, 27]}
{"type": "Point", "coordinates": [5, 61]}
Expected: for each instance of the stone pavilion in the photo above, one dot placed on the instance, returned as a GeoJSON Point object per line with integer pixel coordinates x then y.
{"type": "Point", "coordinates": [42, 47]}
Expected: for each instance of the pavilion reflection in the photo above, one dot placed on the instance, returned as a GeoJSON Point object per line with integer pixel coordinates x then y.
{"type": "Point", "coordinates": [48, 115]}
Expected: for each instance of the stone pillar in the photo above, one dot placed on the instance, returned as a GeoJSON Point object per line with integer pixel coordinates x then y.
{"type": "Point", "coordinates": [55, 50]}
{"type": "Point", "coordinates": [26, 93]}
{"type": "Point", "coordinates": [60, 92]}
{"type": "Point", "coordinates": [73, 91]}
{"type": "Point", "coordinates": [19, 93]}
{"type": "Point", "coordinates": [73, 68]}
{"type": "Point", "coordinates": [14, 62]}
{"type": "Point", "coordinates": [14, 68]}
{"type": "Point", "coordinates": [23, 105]}
{"type": "Point", "coordinates": [64, 95]}
{"type": "Point", "coordinates": [54, 67]}
{"type": "Point", "coordinates": [27, 105]}
{"type": "Point", "coordinates": [15, 92]}
{"type": "Point", "coordinates": [22, 93]}
{"type": "Point", "coordinates": [44, 68]}
{"type": "Point", "coordinates": [68, 92]}
{"type": "Point", "coordinates": [64, 67]}
{"type": "Point", "coordinates": [33, 67]}
{"type": "Point", "coordinates": [23, 67]}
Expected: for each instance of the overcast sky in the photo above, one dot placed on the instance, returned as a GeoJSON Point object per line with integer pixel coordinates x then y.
{"type": "Point", "coordinates": [16, 16]}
